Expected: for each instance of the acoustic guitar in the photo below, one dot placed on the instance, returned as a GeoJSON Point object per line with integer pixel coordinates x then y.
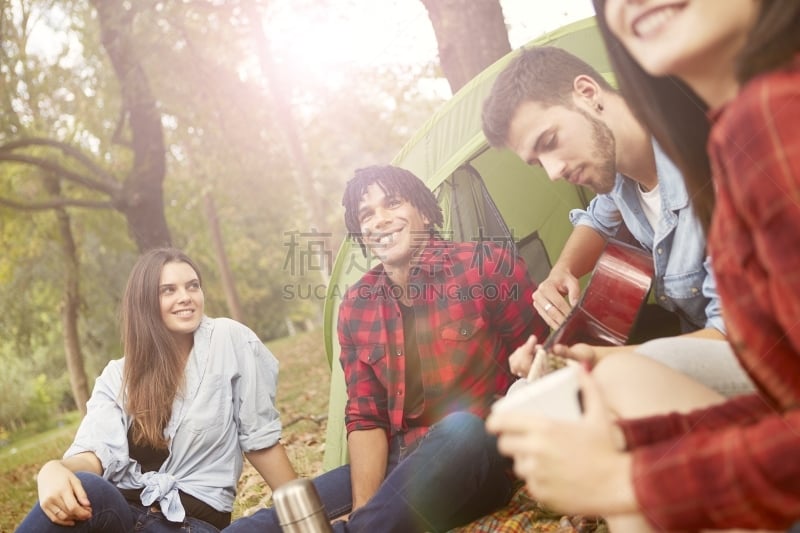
{"type": "Point", "coordinates": [608, 307]}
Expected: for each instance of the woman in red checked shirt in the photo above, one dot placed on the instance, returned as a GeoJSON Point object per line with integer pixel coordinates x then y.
{"type": "Point", "coordinates": [718, 84]}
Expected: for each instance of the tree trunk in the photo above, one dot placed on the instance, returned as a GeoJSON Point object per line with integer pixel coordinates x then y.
{"type": "Point", "coordinates": [471, 35]}
{"type": "Point", "coordinates": [70, 305]}
{"type": "Point", "coordinates": [142, 199]}
{"type": "Point", "coordinates": [228, 283]}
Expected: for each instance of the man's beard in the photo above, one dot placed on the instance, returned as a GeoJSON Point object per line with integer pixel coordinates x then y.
{"type": "Point", "coordinates": [604, 151]}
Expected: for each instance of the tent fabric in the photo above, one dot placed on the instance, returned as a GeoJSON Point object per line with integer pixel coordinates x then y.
{"type": "Point", "coordinates": [469, 210]}
{"type": "Point", "coordinates": [485, 194]}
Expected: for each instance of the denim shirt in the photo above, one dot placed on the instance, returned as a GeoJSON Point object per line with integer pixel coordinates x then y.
{"type": "Point", "coordinates": [684, 281]}
{"type": "Point", "coordinates": [227, 407]}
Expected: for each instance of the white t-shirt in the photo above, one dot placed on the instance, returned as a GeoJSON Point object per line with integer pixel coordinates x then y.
{"type": "Point", "coordinates": [651, 205]}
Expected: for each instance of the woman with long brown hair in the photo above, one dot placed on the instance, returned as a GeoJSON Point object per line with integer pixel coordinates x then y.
{"type": "Point", "coordinates": [718, 83]}
{"type": "Point", "coordinates": [161, 445]}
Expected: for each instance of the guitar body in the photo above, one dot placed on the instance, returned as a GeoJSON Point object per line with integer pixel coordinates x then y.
{"type": "Point", "coordinates": [607, 310]}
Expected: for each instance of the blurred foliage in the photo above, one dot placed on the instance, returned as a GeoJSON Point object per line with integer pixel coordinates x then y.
{"type": "Point", "coordinates": [221, 139]}
{"type": "Point", "coordinates": [41, 407]}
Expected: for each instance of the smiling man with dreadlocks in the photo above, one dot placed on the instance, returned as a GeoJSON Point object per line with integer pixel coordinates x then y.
{"type": "Point", "coordinates": [425, 338]}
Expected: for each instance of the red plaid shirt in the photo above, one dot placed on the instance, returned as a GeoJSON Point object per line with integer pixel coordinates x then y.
{"type": "Point", "coordinates": [472, 303]}
{"type": "Point", "coordinates": [738, 465]}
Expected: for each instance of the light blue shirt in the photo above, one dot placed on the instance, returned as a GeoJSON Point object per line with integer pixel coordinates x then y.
{"type": "Point", "coordinates": [227, 407]}
{"type": "Point", "coordinates": [684, 281]}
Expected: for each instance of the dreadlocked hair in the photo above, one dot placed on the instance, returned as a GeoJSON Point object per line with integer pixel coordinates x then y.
{"type": "Point", "coordinates": [393, 181]}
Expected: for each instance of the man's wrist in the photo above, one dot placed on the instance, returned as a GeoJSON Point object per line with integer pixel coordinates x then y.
{"type": "Point", "coordinates": [560, 268]}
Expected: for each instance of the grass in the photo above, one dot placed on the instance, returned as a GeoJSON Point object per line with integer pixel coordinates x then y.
{"type": "Point", "coordinates": [302, 399]}
{"type": "Point", "coordinates": [20, 462]}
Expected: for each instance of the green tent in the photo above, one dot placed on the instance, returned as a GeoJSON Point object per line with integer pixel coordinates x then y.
{"type": "Point", "coordinates": [485, 193]}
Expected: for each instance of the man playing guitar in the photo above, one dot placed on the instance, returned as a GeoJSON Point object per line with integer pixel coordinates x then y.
{"type": "Point", "coordinates": [554, 110]}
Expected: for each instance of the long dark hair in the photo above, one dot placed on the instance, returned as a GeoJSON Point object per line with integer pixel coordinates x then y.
{"type": "Point", "coordinates": [153, 370]}
{"type": "Point", "coordinates": [676, 116]}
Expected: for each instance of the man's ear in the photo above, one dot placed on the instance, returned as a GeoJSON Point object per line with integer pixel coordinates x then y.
{"type": "Point", "coordinates": [585, 89]}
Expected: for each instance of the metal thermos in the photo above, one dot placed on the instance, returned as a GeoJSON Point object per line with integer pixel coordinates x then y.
{"type": "Point", "coordinates": [299, 508]}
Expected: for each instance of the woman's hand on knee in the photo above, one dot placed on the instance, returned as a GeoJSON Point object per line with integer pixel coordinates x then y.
{"type": "Point", "coordinates": [61, 495]}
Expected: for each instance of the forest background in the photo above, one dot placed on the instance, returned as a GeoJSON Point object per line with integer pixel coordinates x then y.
{"type": "Point", "coordinates": [224, 127]}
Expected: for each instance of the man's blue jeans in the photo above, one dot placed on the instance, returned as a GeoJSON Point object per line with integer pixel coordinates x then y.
{"type": "Point", "coordinates": [453, 476]}
{"type": "Point", "coordinates": [111, 512]}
